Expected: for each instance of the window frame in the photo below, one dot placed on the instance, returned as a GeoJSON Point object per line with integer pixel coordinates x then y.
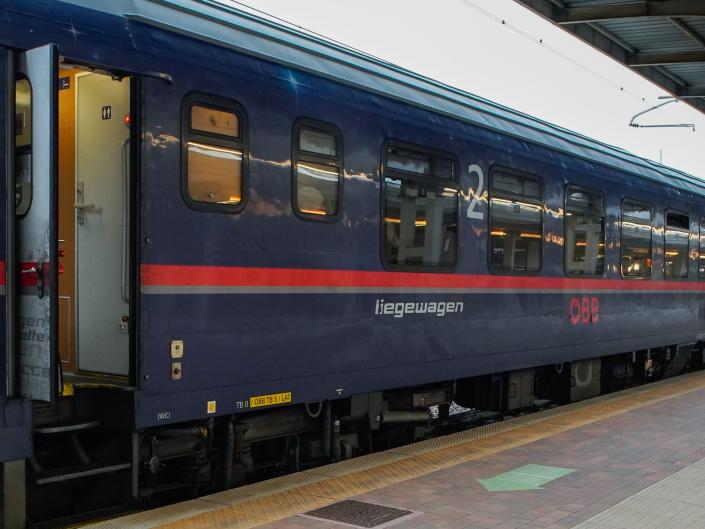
{"type": "Point", "coordinates": [419, 179]}
{"type": "Point", "coordinates": [565, 230]}
{"type": "Point", "coordinates": [523, 174]}
{"type": "Point", "coordinates": [298, 155]}
{"type": "Point", "coordinates": [621, 237]}
{"type": "Point", "coordinates": [687, 252]}
{"type": "Point", "coordinates": [218, 140]}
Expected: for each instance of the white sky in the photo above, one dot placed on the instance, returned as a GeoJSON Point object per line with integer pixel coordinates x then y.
{"type": "Point", "coordinates": [453, 42]}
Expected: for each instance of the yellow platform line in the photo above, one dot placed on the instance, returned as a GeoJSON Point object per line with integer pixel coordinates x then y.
{"type": "Point", "coordinates": [266, 502]}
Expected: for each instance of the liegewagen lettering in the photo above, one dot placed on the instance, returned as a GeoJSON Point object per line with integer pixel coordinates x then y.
{"type": "Point", "coordinates": [401, 309]}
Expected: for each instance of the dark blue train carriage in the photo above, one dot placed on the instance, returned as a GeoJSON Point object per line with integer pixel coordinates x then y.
{"type": "Point", "coordinates": [235, 249]}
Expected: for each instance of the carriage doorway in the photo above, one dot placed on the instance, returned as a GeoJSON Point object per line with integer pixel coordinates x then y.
{"type": "Point", "coordinates": [94, 161]}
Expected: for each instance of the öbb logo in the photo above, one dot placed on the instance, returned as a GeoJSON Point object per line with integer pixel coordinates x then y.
{"type": "Point", "coordinates": [584, 310]}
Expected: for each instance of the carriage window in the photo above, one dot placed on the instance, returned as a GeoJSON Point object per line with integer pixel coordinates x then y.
{"type": "Point", "coordinates": [214, 174]}
{"type": "Point", "coordinates": [214, 121]}
{"type": "Point", "coordinates": [701, 248]}
{"type": "Point", "coordinates": [676, 246]}
{"type": "Point", "coordinates": [636, 240]}
{"type": "Point", "coordinates": [420, 209]}
{"type": "Point", "coordinates": [318, 170]}
{"type": "Point", "coordinates": [23, 146]}
{"type": "Point", "coordinates": [584, 232]}
{"type": "Point", "coordinates": [515, 222]}
{"type": "Point", "coordinates": [214, 149]}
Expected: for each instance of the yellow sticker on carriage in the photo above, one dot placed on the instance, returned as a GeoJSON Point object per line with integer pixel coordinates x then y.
{"type": "Point", "coordinates": [270, 400]}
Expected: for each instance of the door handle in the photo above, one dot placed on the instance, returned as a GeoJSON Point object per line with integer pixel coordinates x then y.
{"type": "Point", "coordinates": [81, 210]}
{"type": "Point", "coordinates": [32, 275]}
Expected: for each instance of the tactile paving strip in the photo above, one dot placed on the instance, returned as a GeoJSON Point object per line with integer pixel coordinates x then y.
{"type": "Point", "coordinates": [261, 503]}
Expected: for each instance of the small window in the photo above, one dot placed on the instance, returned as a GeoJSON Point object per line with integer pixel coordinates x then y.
{"type": "Point", "coordinates": [215, 121]}
{"type": "Point", "coordinates": [420, 209]}
{"type": "Point", "coordinates": [23, 146]}
{"type": "Point", "coordinates": [584, 232]}
{"type": "Point", "coordinates": [215, 153]}
{"type": "Point", "coordinates": [636, 240]}
{"type": "Point", "coordinates": [318, 170]}
{"type": "Point", "coordinates": [701, 248]}
{"type": "Point", "coordinates": [516, 232]}
{"type": "Point", "coordinates": [676, 246]}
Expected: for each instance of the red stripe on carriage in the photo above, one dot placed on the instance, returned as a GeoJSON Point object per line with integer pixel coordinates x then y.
{"type": "Point", "coordinates": [232, 276]}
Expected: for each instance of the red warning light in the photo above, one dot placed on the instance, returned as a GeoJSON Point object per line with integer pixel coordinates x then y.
{"type": "Point", "coordinates": [127, 120]}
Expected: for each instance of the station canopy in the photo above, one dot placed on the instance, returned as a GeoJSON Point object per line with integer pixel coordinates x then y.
{"type": "Point", "coordinates": [663, 40]}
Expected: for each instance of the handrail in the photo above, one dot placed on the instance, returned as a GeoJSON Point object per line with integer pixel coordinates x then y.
{"type": "Point", "coordinates": [124, 290]}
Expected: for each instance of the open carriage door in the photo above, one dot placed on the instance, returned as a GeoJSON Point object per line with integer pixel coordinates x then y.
{"type": "Point", "coordinates": [35, 205]}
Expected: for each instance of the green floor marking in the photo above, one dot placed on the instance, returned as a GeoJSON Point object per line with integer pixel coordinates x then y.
{"type": "Point", "coordinates": [528, 477]}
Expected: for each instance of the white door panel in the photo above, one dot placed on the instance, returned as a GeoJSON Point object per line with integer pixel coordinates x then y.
{"type": "Point", "coordinates": [101, 221]}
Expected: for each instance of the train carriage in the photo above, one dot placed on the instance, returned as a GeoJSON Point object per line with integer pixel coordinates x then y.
{"type": "Point", "coordinates": [235, 249]}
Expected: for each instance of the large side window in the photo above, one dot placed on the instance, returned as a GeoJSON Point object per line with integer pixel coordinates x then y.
{"type": "Point", "coordinates": [214, 153]}
{"type": "Point", "coordinates": [701, 248]}
{"type": "Point", "coordinates": [317, 161]}
{"type": "Point", "coordinates": [676, 246]}
{"type": "Point", "coordinates": [420, 207]}
{"type": "Point", "coordinates": [636, 240]}
{"type": "Point", "coordinates": [584, 232]}
{"type": "Point", "coordinates": [516, 229]}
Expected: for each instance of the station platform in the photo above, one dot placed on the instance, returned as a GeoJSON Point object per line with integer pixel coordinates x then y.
{"type": "Point", "coordinates": [632, 459]}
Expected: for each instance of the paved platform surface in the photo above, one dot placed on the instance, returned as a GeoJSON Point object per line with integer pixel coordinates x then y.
{"type": "Point", "coordinates": [630, 460]}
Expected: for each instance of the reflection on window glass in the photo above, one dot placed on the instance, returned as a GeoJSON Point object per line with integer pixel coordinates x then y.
{"type": "Point", "coordinates": [512, 184]}
{"type": "Point", "coordinates": [419, 163]}
{"type": "Point", "coordinates": [584, 232]}
{"type": "Point", "coordinates": [636, 240]}
{"type": "Point", "coordinates": [636, 211]}
{"type": "Point", "coordinates": [214, 174]}
{"type": "Point", "coordinates": [214, 121]}
{"type": "Point", "coordinates": [420, 223]}
{"type": "Point", "coordinates": [676, 246]}
{"type": "Point", "coordinates": [317, 172]}
{"type": "Point", "coordinates": [515, 223]}
{"type": "Point", "coordinates": [23, 146]}
{"type": "Point", "coordinates": [317, 188]}
{"type": "Point", "coordinates": [317, 142]}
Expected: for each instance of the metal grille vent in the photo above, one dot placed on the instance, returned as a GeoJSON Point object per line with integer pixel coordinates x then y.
{"type": "Point", "coordinates": [359, 513]}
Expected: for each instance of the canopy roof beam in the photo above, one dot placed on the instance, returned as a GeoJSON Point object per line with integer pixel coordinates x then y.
{"type": "Point", "coordinates": [667, 57]}
{"type": "Point", "coordinates": [687, 30]}
{"type": "Point", "coordinates": [692, 91]}
{"type": "Point", "coordinates": [663, 8]}
{"type": "Point", "coordinates": [584, 23]}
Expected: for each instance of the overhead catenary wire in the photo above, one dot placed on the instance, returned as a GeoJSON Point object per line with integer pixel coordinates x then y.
{"type": "Point", "coordinates": [543, 44]}
{"type": "Point", "coordinates": [300, 28]}
{"type": "Point", "coordinates": [468, 3]}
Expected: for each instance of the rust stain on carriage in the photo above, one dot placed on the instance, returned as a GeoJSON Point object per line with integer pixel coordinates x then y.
{"type": "Point", "coordinates": [265, 502]}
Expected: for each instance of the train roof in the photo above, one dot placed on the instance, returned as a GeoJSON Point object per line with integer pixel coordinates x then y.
{"type": "Point", "coordinates": [229, 27]}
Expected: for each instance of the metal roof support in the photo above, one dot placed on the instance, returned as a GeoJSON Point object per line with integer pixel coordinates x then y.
{"type": "Point", "coordinates": [693, 91]}
{"type": "Point", "coordinates": [666, 57]}
{"type": "Point", "coordinates": [614, 38]}
{"type": "Point", "coordinates": [616, 43]}
{"type": "Point", "coordinates": [689, 32]}
{"type": "Point", "coordinates": [665, 8]}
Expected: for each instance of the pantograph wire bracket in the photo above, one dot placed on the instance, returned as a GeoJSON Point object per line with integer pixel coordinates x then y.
{"type": "Point", "coordinates": [669, 125]}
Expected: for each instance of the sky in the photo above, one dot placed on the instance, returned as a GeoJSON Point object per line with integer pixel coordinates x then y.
{"type": "Point", "coordinates": [500, 50]}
